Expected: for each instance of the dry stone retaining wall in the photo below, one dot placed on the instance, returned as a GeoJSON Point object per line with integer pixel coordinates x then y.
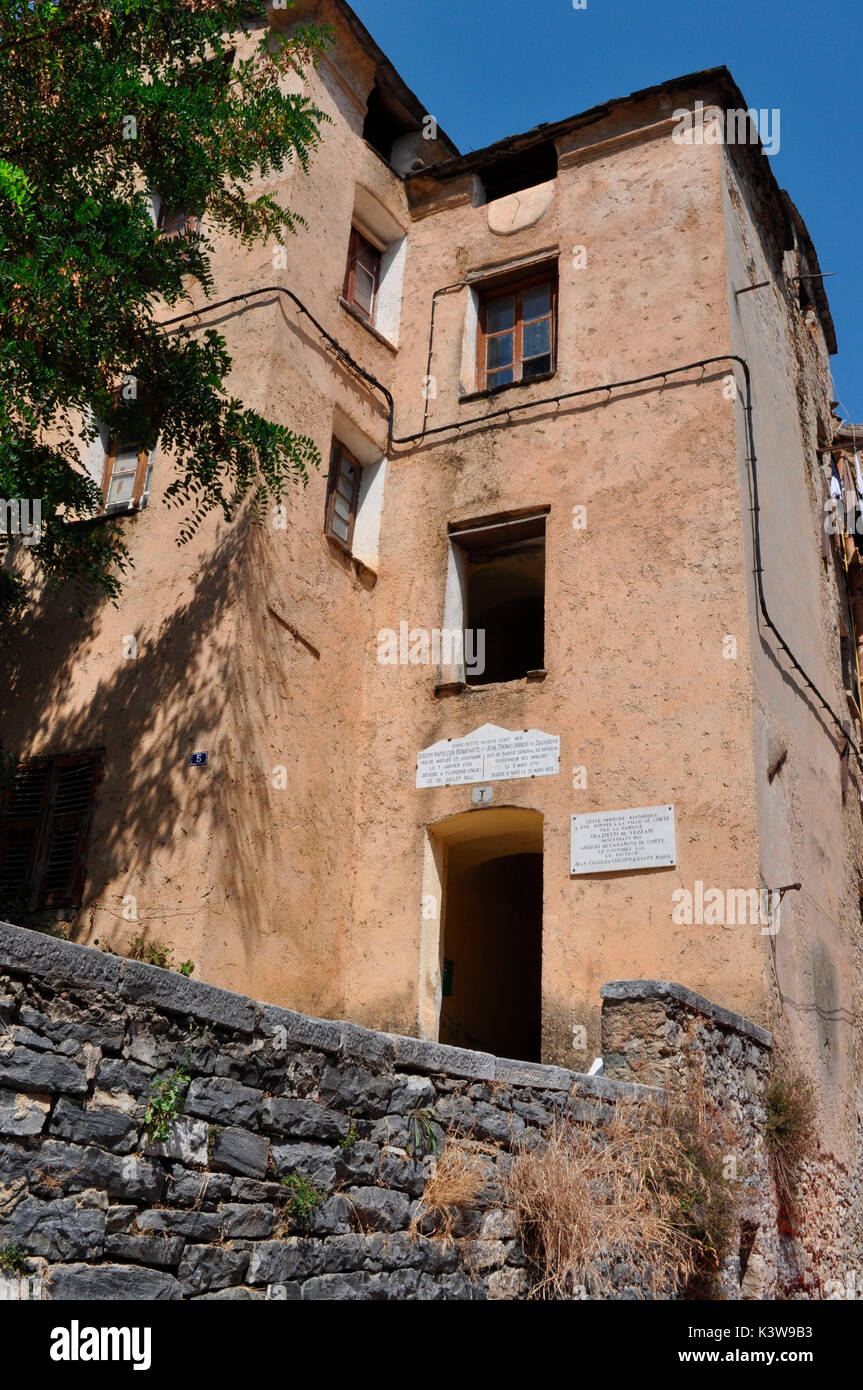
{"type": "Point", "coordinates": [102, 1211]}
{"type": "Point", "coordinates": [664, 1035]}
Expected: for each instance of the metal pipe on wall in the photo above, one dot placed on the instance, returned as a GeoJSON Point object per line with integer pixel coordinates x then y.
{"type": "Point", "coordinates": [520, 406]}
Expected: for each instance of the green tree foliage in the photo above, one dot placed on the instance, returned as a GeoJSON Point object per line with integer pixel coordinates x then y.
{"type": "Point", "coordinates": [102, 102]}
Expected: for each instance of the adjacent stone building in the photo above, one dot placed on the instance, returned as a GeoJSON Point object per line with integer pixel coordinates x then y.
{"type": "Point", "coordinates": [540, 376]}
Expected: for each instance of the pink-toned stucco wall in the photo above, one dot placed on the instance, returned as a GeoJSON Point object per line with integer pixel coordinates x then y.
{"type": "Point", "coordinates": [321, 893]}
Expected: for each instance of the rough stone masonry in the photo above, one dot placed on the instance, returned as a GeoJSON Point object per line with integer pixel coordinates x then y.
{"type": "Point", "coordinates": [101, 1211]}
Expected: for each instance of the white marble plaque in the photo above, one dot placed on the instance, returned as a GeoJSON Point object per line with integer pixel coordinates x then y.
{"type": "Point", "coordinates": [489, 754]}
{"type": "Point", "coordinates": [637, 839]}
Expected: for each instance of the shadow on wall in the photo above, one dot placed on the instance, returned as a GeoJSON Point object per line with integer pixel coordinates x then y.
{"type": "Point", "coordinates": [150, 713]}
{"type": "Point", "coordinates": [201, 849]}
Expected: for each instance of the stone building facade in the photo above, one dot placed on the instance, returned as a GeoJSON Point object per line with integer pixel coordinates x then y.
{"type": "Point", "coordinates": [654, 297]}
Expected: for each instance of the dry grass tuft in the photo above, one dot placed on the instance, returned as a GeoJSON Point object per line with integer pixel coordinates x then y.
{"type": "Point", "coordinates": [453, 1188]}
{"type": "Point", "coordinates": [646, 1191]}
{"type": "Point", "coordinates": [708, 1204]}
{"type": "Point", "coordinates": [789, 1100]}
{"type": "Point", "coordinates": [584, 1201]}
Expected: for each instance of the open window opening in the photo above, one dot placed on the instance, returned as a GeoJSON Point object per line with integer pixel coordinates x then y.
{"type": "Point", "coordinates": [500, 570]}
{"type": "Point", "coordinates": [514, 172]}
{"type": "Point", "coordinates": [386, 122]}
{"type": "Point", "coordinates": [491, 932]}
{"type": "Point", "coordinates": [374, 273]}
{"type": "Point", "coordinates": [362, 275]}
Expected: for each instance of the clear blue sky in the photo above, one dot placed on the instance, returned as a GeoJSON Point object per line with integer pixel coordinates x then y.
{"type": "Point", "coordinates": [490, 68]}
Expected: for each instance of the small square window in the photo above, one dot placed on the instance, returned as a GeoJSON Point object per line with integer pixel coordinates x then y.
{"type": "Point", "coordinates": [517, 332]}
{"type": "Point", "coordinates": [343, 490]}
{"type": "Point", "coordinates": [363, 275]}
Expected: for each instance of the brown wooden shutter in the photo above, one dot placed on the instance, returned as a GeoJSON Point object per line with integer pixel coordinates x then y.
{"type": "Point", "coordinates": [137, 472]}
{"type": "Point", "coordinates": [177, 222]}
{"type": "Point", "coordinates": [45, 830]}
{"type": "Point", "coordinates": [69, 817]}
{"type": "Point", "coordinates": [21, 828]}
{"type": "Point", "coordinates": [353, 247]}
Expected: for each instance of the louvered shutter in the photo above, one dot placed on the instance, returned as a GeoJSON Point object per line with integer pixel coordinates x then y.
{"type": "Point", "coordinates": [45, 829]}
{"type": "Point", "coordinates": [21, 828]}
{"type": "Point", "coordinates": [68, 831]}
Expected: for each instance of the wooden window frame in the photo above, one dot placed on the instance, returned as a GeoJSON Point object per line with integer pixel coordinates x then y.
{"type": "Point", "coordinates": [191, 224]}
{"type": "Point", "coordinates": [514, 288]}
{"type": "Point", "coordinates": [35, 895]}
{"type": "Point", "coordinates": [337, 452]}
{"type": "Point", "coordinates": [145, 453]}
{"type": "Point", "coordinates": [357, 242]}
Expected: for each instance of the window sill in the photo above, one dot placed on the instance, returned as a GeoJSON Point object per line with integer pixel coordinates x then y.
{"type": "Point", "coordinates": [370, 328]}
{"type": "Point", "coordinates": [104, 518]}
{"type": "Point", "coordinates": [491, 393]}
{"type": "Point", "coordinates": [123, 509]}
{"type": "Point", "coordinates": [447, 688]}
{"type": "Point", "coordinates": [367, 577]}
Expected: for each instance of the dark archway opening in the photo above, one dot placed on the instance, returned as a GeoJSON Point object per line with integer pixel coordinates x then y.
{"type": "Point", "coordinates": [492, 975]}
{"type": "Point", "coordinates": [515, 172]}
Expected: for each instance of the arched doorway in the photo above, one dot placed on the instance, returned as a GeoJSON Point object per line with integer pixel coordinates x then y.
{"type": "Point", "coordinates": [490, 945]}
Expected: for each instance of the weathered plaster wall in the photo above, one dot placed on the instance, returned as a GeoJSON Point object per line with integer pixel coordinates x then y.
{"type": "Point", "coordinates": [259, 644]}
{"type": "Point", "coordinates": [289, 840]}
{"type": "Point", "coordinates": [808, 832]}
{"type": "Point", "coordinates": [251, 880]}
{"type": "Point", "coordinates": [637, 604]}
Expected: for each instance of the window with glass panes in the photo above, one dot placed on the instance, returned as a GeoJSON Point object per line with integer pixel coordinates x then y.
{"type": "Point", "coordinates": [517, 331]}
{"type": "Point", "coordinates": [128, 471]}
{"type": "Point", "coordinates": [342, 495]}
{"type": "Point", "coordinates": [363, 275]}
